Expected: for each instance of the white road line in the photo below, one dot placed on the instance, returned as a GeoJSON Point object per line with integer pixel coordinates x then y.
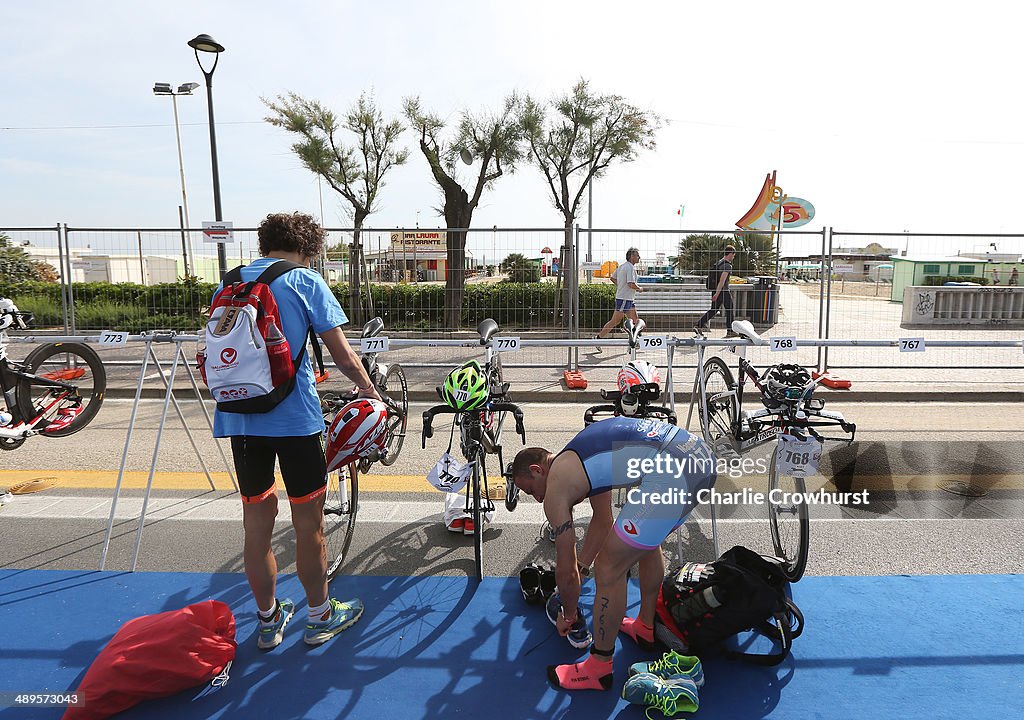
{"type": "Point", "coordinates": [230, 509]}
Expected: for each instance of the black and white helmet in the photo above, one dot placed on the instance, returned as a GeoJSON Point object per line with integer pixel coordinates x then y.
{"type": "Point", "coordinates": [786, 382]}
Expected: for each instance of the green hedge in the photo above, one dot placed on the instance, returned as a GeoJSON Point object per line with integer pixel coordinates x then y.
{"type": "Point", "coordinates": [943, 279]}
{"type": "Point", "coordinates": [127, 306]}
{"type": "Point", "coordinates": [122, 306]}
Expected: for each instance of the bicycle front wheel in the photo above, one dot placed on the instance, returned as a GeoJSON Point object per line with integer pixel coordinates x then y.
{"type": "Point", "coordinates": [341, 505]}
{"type": "Point", "coordinates": [788, 517]}
{"type": "Point", "coordinates": [397, 390]}
{"type": "Point", "coordinates": [721, 408]}
{"type": "Point", "coordinates": [71, 363]}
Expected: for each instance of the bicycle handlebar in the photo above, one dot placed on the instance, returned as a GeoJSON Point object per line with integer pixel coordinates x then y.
{"type": "Point", "coordinates": [428, 417]}
{"type": "Point", "coordinates": [650, 412]}
{"type": "Point", "coordinates": [646, 392]}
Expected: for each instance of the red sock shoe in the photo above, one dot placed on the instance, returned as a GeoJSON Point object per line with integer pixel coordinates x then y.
{"type": "Point", "coordinates": [643, 635]}
{"type": "Point", "coordinates": [594, 673]}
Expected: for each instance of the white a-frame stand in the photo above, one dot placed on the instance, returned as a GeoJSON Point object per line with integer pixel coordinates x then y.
{"type": "Point", "coordinates": [169, 399]}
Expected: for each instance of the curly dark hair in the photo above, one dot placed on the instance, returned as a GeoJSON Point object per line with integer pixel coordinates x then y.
{"type": "Point", "coordinates": [296, 232]}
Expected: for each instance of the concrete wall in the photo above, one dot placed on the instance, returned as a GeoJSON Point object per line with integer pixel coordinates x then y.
{"type": "Point", "coordinates": [996, 306]}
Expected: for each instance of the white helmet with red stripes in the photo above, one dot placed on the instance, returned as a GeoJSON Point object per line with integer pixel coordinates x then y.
{"type": "Point", "coordinates": [357, 431]}
{"type": "Point", "coordinates": [637, 372]}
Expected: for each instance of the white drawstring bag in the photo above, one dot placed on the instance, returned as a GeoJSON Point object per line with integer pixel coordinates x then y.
{"type": "Point", "coordinates": [449, 475]}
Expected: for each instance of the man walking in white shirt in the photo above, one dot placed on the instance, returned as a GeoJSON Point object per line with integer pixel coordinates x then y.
{"type": "Point", "coordinates": [626, 289]}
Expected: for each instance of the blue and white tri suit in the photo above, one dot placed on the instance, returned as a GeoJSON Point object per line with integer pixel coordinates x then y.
{"type": "Point", "coordinates": [612, 452]}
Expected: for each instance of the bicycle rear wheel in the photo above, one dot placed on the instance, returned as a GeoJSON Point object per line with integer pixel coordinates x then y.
{"type": "Point", "coordinates": [397, 390]}
{"type": "Point", "coordinates": [789, 520]}
{"type": "Point", "coordinates": [72, 363]}
{"type": "Point", "coordinates": [478, 528]}
{"type": "Point", "coordinates": [722, 410]}
{"type": "Point", "coordinates": [341, 505]}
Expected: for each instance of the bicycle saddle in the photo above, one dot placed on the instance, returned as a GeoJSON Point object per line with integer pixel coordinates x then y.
{"type": "Point", "coordinates": [487, 329]}
{"type": "Point", "coordinates": [373, 327]}
{"type": "Point", "coordinates": [743, 328]}
{"type": "Point", "coordinates": [632, 329]}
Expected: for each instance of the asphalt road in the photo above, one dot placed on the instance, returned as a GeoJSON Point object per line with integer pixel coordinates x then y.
{"type": "Point", "coordinates": [906, 454]}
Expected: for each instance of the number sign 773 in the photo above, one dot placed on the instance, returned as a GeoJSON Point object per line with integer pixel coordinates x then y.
{"type": "Point", "coordinates": [113, 338]}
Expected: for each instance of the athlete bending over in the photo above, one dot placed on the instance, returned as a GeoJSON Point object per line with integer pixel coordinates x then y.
{"type": "Point", "coordinates": [653, 459]}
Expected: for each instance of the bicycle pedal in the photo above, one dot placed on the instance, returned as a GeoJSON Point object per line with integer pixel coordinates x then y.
{"type": "Point", "coordinates": [724, 450]}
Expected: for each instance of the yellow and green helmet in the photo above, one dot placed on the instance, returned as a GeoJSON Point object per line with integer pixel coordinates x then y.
{"type": "Point", "coordinates": [465, 388]}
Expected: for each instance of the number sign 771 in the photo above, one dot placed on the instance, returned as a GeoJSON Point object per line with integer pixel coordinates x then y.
{"type": "Point", "coordinates": [381, 343]}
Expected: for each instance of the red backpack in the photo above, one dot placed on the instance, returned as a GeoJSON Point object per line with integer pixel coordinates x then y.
{"type": "Point", "coordinates": [155, 656]}
{"type": "Point", "coordinates": [247, 362]}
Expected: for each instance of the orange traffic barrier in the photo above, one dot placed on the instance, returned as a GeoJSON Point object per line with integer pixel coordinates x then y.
{"type": "Point", "coordinates": [832, 381]}
{"type": "Point", "coordinates": [574, 380]}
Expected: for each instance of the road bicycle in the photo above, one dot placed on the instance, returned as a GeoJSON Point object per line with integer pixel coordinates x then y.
{"type": "Point", "coordinates": [639, 399]}
{"type": "Point", "coordinates": [787, 410]}
{"type": "Point", "coordinates": [341, 504]}
{"type": "Point", "coordinates": [54, 392]}
{"type": "Point", "coordinates": [480, 436]}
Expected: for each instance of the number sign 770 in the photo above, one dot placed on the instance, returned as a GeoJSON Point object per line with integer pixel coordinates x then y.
{"type": "Point", "coordinates": [506, 344]}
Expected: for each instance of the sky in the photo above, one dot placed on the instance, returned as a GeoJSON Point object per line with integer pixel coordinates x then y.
{"type": "Point", "coordinates": [887, 116]}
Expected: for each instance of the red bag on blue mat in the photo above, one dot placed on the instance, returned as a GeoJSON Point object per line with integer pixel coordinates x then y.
{"type": "Point", "coordinates": [157, 655]}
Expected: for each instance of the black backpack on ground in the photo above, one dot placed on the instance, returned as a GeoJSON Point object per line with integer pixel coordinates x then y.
{"type": "Point", "coordinates": [703, 604]}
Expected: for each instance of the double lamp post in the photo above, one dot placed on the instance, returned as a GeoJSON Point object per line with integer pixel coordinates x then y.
{"type": "Point", "coordinates": [204, 44]}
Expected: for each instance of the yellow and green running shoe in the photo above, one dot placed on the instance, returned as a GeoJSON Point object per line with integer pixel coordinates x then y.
{"type": "Point", "coordinates": [672, 665]}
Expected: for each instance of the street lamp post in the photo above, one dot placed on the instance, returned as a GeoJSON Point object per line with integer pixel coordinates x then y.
{"type": "Point", "coordinates": [206, 44]}
{"type": "Point", "coordinates": [183, 89]}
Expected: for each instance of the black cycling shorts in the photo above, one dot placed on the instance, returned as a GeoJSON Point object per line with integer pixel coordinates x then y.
{"type": "Point", "coordinates": [303, 466]}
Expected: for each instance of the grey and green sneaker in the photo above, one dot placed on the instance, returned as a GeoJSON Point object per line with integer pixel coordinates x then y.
{"type": "Point", "coordinates": [670, 696]}
{"type": "Point", "coordinates": [271, 633]}
{"type": "Point", "coordinates": [672, 665]}
{"type": "Point", "coordinates": [341, 616]}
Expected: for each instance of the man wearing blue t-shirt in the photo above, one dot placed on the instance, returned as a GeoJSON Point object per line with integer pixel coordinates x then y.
{"type": "Point", "coordinates": [292, 434]}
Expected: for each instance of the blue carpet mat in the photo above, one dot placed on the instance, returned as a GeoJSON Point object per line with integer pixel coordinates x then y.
{"type": "Point", "coordinates": [439, 647]}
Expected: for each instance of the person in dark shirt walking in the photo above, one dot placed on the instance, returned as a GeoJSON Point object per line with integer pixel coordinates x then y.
{"type": "Point", "coordinates": [720, 295]}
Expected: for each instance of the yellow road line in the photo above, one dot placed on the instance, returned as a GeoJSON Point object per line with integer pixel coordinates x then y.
{"type": "Point", "coordinates": [374, 482]}
{"type": "Point", "coordinates": [197, 481]}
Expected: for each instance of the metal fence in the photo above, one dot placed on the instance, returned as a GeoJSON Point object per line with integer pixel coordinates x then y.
{"type": "Point", "coordinates": [532, 280]}
{"type": "Point", "coordinates": [859, 307]}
